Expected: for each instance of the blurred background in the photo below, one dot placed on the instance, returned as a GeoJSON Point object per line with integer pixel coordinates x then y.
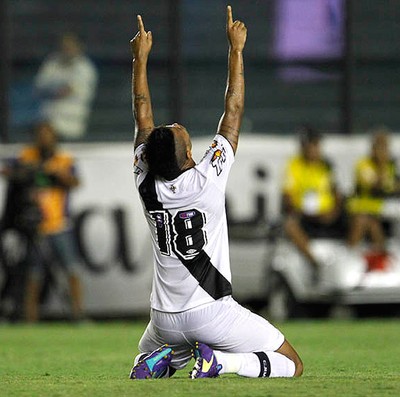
{"type": "Point", "coordinates": [330, 63]}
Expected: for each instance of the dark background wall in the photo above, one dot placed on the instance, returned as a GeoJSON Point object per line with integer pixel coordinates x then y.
{"type": "Point", "coordinates": [188, 64]}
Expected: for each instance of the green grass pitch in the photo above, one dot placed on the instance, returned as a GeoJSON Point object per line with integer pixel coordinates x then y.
{"type": "Point", "coordinates": [342, 358]}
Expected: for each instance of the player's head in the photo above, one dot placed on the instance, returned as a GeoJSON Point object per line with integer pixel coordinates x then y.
{"type": "Point", "coordinates": [169, 151]}
{"type": "Point", "coordinates": [71, 46]}
{"type": "Point", "coordinates": [310, 139]}
{"type": "Point", "coordinates": [45, 138]}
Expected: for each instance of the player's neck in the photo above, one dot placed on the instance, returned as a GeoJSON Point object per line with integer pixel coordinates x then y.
{"type": "Point", "coordinates": [189, 163]}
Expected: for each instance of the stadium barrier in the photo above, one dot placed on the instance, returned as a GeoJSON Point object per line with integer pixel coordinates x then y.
{"type": "Point", "coordinates": [112, 234]}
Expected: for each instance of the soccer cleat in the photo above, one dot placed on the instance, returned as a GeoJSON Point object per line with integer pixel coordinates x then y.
{"type": "Point", "coordinates": [154, 365]}
{"type": "Point", "coordinates": [206, 365]}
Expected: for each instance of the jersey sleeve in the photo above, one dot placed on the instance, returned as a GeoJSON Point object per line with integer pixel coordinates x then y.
{"type": "Point", "coordinates": [217, 161]}
{"type": "Point", "coordinates": [140, 168]}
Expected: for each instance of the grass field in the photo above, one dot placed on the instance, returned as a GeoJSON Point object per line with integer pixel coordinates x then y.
{"type": "Point", "coordinates": [341, 359]}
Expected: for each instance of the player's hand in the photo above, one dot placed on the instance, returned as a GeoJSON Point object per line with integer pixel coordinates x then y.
{"type": "Point", "coordinates": [142, 42]}
{"type": "Point", "coordinates": [236, 31]}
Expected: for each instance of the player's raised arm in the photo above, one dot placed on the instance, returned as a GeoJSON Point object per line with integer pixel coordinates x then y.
{"type": "Point", "coordinates": [229, 124]}
{"type": "Point", "coordinates": [141, 101]}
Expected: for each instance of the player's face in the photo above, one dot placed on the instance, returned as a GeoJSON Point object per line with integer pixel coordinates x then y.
{"type": "Point", "coordinates": [312, 151]}
{"type": "Point", "coordinates": [45, 137]}
{"type": "Point", "coordinates": [70, 47]}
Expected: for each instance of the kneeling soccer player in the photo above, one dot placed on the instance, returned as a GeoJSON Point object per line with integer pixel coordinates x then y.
{"type": "Point", "coordinates": [192, 309]}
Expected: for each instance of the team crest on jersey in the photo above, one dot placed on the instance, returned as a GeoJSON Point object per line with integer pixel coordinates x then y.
{"type": "Point", "coordinates": [218, 159]}
{"type": "Point", "coordinates": [211, 147]}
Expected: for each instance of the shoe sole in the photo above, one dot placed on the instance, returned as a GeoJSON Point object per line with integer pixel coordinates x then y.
{"type": "Point", "coordinates": [150, 363]}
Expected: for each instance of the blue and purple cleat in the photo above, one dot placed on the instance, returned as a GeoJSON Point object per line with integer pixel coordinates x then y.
{"type": "Point", "coordinates": [154, 365]}
{"type": "Point", "coordinates": [206, 365]}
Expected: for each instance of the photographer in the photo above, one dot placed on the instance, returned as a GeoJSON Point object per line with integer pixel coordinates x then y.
{"type": "Point", "coordinates": [19, 235]}
{"type": "Point", "coordinates": [42, 179]}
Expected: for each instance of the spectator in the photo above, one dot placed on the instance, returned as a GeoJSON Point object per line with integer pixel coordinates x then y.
{"type": "Point", "coordinates": [52, 175]}
{"type": "Point", "coordinates": [311, 201]}
{"type": "Point", "coordinates": [66, 83]}
{"type": "Point", "coordinates": [376, 178]}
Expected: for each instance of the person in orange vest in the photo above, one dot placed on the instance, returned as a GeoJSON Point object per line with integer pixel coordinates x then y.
{"type": "Point", "coordinates": [54, 177]}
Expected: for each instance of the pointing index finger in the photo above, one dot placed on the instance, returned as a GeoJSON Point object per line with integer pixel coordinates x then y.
{"type": "Point", "coordinates": [140, 24]}
{"type": "Point", "coordinates": [229, 18]}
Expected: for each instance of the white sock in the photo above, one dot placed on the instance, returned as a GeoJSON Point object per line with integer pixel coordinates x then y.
{"type": "Point", "coordinates": [231, 362]}
{"type": "Point", "coordinates": [281, 366]}
{"type": "Point", "coordinates": [254, 365]}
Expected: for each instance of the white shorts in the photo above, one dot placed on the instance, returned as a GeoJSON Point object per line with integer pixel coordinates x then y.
{"type": "Point", "coordinates": [223, 325]}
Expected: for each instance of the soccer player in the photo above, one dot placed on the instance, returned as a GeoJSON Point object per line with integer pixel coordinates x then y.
{"type": "Point", "coordinates": [192, 309]}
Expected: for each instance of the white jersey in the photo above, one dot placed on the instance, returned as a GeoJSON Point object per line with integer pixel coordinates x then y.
{"type": "Point", "coordinates": [189, 231]}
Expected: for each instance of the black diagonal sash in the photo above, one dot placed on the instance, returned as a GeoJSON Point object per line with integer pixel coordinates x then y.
{"type": "Point", "coordinates": [200, 267]}
{"type": "Point", "coordinates": [208, 276]}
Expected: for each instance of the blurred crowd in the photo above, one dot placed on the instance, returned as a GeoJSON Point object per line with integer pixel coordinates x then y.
{"type": "Point", "coordinates": [40, 180]}
{"type": "Point", "coordinates": [42, 176]}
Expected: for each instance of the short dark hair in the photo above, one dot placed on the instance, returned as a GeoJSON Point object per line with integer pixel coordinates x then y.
{"type": "Point", "coordinates": [160, 153]}
{"type": "Point", "coordinates": [309, 134]}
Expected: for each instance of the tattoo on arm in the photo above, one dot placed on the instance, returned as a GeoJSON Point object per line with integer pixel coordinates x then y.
{"type": "Point", "coordinates": [140, 98]}
{"type": "Point", "coordinates": [227, 128]}
{"type": "Point", "coordinates": [231, 134]}
{"type": "Point", "coordinates": [146, 130]}
{"type": "Point", "coordinates": [141, 102]}
{"type": "Point", "coordinates": [231, 93]}
{"type": "Point", "coordinates": [141, 135]}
